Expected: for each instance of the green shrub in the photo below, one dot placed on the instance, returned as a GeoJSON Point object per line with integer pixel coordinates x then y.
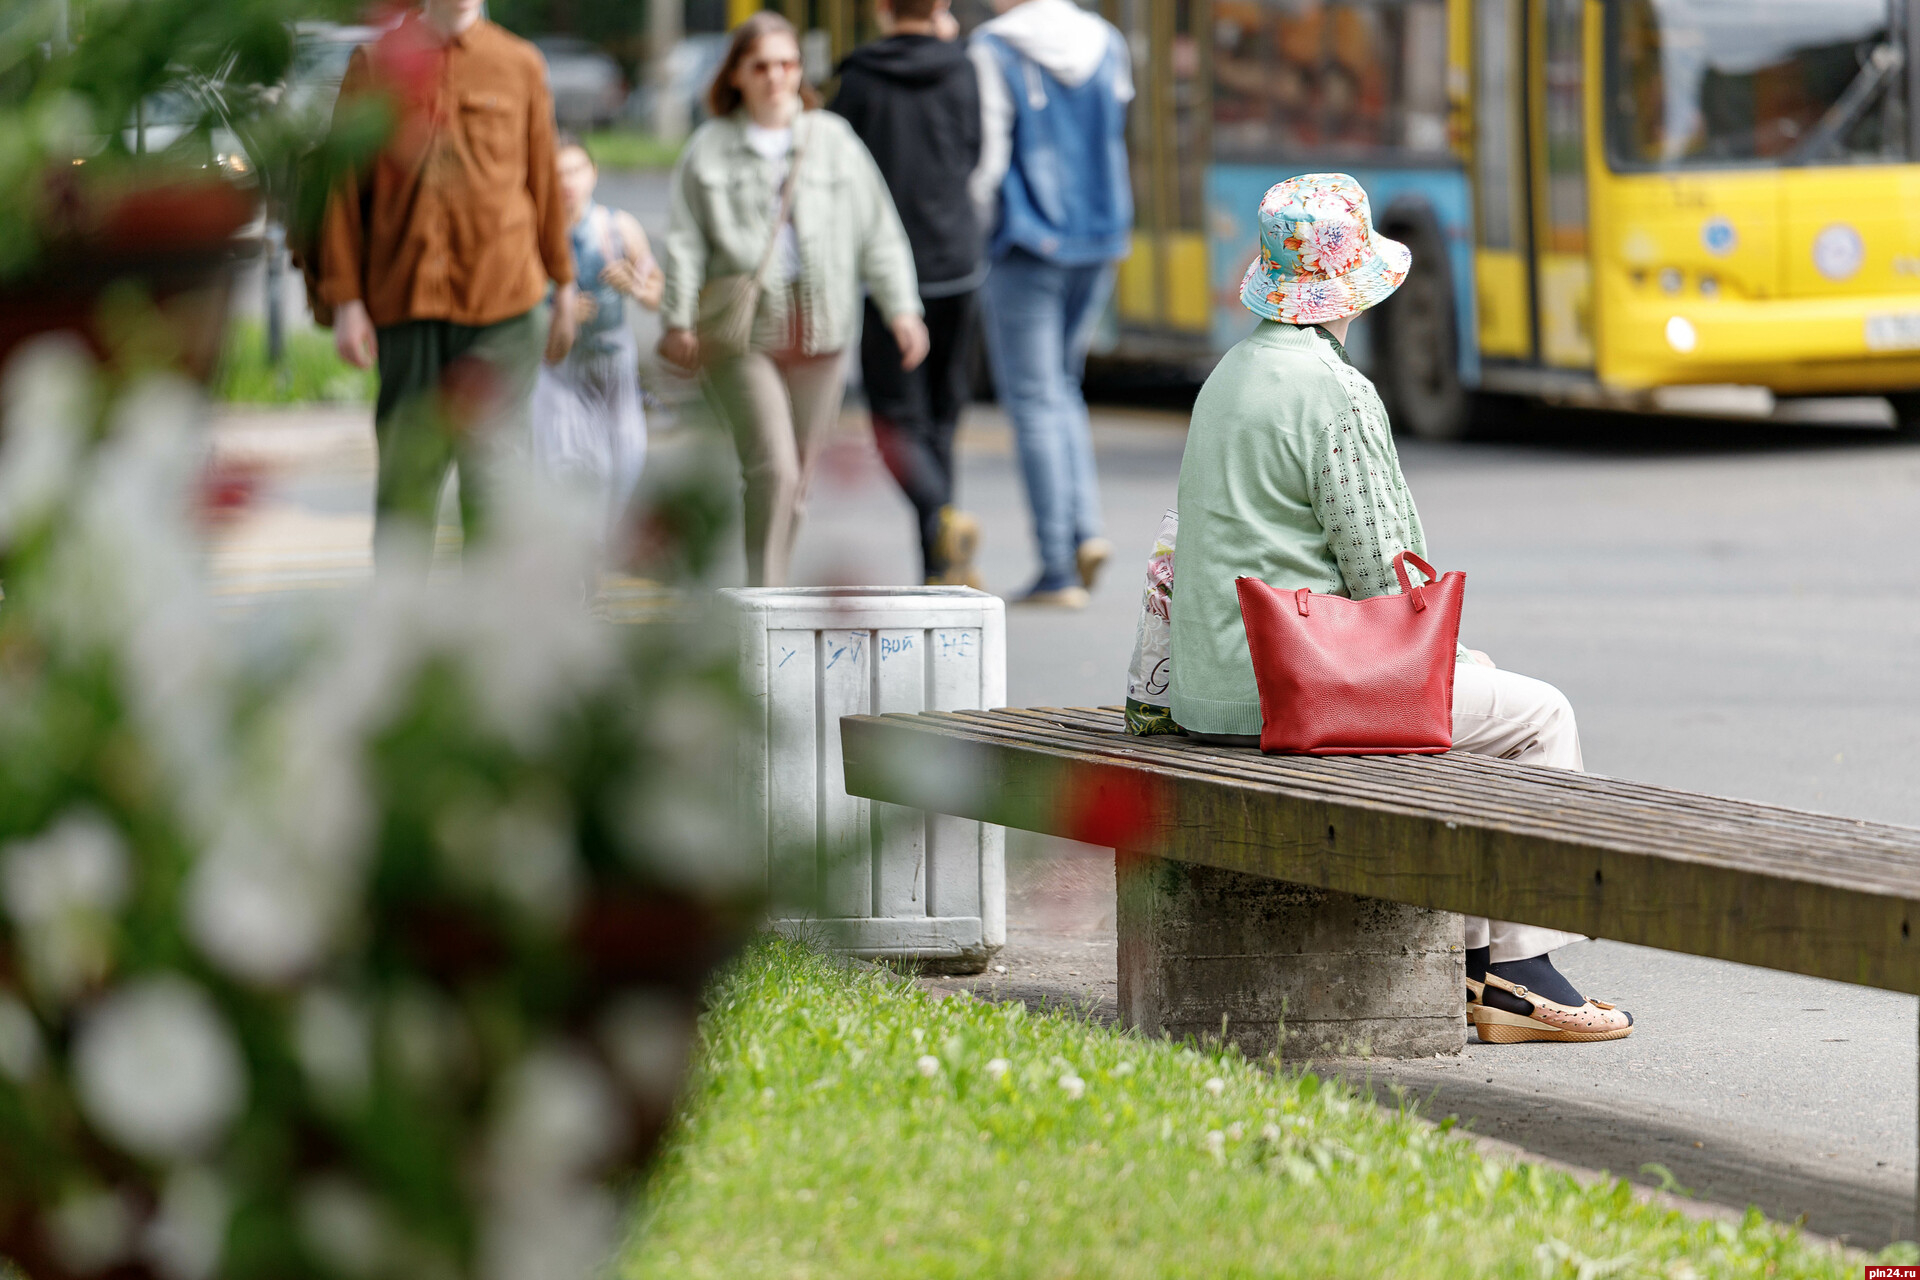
{"type": "Point", "coordinates": [628, 148]}
{"type": "Point", "coordinates": [311, 371]}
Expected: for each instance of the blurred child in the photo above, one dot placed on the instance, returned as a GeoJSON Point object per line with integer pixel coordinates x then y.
{"type": "Point", "coordinates": [588, 422]}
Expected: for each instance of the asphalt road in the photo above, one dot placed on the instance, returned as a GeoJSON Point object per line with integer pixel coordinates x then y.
{"type": "Point", "coordinates": [1731, 608]}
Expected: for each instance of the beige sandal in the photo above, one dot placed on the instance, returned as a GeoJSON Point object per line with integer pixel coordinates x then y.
{"type": "Point", "coordinates": [1596, 1020]}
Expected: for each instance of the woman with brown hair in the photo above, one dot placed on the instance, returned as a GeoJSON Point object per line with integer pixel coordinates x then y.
{"type": "Point", "coordinates": [779, 217]}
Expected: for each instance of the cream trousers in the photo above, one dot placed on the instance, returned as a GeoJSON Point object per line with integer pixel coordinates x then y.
{"type": "Point", "coordinates": [781, 411]}
{"type": "Point", "coordinates": [1514, 717]}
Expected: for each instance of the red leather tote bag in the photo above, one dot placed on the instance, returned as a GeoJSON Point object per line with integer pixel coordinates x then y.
{"type": "Point", "coordinates": [1342, 677]}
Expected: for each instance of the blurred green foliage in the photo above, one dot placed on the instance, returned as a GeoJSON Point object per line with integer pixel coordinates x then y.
{"type": "Point", "coordinates": [356, 940]}
{"type": "Point", "coordinates": [629, 148]}
{"type": "Point", "coordinates": [312, 371]}
{"type": "Point", "coordinates": [75, 77]}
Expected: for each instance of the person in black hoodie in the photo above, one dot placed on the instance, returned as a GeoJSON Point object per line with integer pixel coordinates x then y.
{"type": "Point", "coordinates": [915, 101]}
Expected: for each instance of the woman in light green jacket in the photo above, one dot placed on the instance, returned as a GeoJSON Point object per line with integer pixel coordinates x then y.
{"type": "Point", "coordinates": [1290, 476]}
{"type": "Point", "coordinates": [781, 398]}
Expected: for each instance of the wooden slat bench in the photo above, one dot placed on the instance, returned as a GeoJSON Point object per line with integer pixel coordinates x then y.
{"type": "Point", "coordinates": [1308, 904]}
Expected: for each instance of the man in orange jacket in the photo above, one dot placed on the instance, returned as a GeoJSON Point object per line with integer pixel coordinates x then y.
{"type": "Point", "coordinates": [436, 257]}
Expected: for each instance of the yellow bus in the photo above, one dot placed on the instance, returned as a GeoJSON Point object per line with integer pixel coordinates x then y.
{"type": "Point", "coordinates": [1604, 197]}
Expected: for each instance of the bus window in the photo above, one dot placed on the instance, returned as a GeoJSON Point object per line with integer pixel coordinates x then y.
{"type": "Point", "coordinates": [1698, 83]}
{"type": "Point", "coordinates": [1496, 147]}
{"type": "Point", "coordinates": [1357, 79]}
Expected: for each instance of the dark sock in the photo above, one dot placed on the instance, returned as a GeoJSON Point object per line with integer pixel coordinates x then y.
{"type": "Point", "coordinates": [1477, 962]}
{"type": "Point", "coordinates": [1536, 974]}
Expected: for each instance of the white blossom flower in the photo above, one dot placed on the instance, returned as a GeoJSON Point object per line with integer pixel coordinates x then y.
{"type": "Point", "coordinates": [1073, 1086]}
{"type": "Point", "coordinates": [79, 864]}
{"type": "Point", "coordinates": [647, 1037]}
{"type": "Point", "coordinates": [522, 850]}
{"type": "Point", "coordinates": [47, 399]}
{"type": "Point", "coordinates": [1236, 1131]}
{"type": "Point", "coordinates": [1216, 1143]}
{"type": "Point", "coordinates": [561, 1234]}
{"type": "Point", "coordinates": [1270, 1131]}
{"type": "Point", "coordinates": [998, 1067]}
{"type": "Point", "coordinates": [333, 1042]}
{"type": "Point", "coordinates": [927, 1065]}
{"type": "Point", "coordinates": [62, 888]}
{"type": "Point", "coordinates": [188, 1235]}
{"type": "Point", "coordinates": [343, 1225]}
{"type": "Point", "coordinates": [157, 1069]}
{"type": "Point", "coordinates": [257, 909]}
{"type": "Point", "coordinates": [557, 1117]}
{"type": "Point", "coordinates": [21, 1051]}
{"type": "Point", "coordinates": [1216, 1086]}
{"type": "Point", "coordinates": [1124, 1069]}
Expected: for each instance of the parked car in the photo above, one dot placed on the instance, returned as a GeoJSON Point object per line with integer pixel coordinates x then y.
{"type": "Point", "coordinates": [588, 89]}
{"type": "Point", "coordinates": [320, 54]}
{"type": "Point", "coordinates": [676, 104]}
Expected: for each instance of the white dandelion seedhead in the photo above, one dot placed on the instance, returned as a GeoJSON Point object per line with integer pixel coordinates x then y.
{"type": "Point", "coordinates": [1073, 1086]}
{"type": "Point", "coordinates": [998, 1067]}
{"type": "Point", "coordinates": [158, 1070]}
{"type": "Point", "coordinates": [1216, 1086]}
{"type": "Point", "coordinates": [1216, 1143]}
{"type": "Point", "coordinates": [927, 1065]}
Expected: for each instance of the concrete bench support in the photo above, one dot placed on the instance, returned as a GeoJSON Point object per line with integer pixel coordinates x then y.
{"type": "Point", "coordinates": [1344, 976]}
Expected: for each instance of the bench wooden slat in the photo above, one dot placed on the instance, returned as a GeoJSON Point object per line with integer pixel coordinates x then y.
{"type": "Point", "coordinates": [1632, 794]}
{"type": "Point", "coordinates": [1624, 810]}
{"type": "Point", "coordinates": [1759, 884]}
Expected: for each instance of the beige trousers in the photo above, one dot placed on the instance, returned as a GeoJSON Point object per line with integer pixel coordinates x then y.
{"type": "Point", "coordinates": [1514, 717]}
{"type": "Point", "coordinates": [781, 411]}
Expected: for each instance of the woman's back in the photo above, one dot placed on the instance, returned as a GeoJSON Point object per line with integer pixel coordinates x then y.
{"type": "Point", "coordinates": [1289, 476]}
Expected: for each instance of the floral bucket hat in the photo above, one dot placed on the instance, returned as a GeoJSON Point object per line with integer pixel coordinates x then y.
{"type": "Point", "coordinates": [1320, 258]}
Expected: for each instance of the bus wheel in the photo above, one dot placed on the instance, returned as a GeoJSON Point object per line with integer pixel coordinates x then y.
{"type": "Point", "coordinates": [1906, 413]}
{"type": "Point", "coordinates": [1420, 351]}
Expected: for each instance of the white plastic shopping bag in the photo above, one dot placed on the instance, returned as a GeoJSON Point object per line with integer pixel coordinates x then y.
{"type": "Point", "coordinates": [1151, 670]}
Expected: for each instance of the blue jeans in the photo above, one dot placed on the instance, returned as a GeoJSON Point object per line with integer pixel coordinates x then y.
{"type": "Point", "coordinates": [1039, 324]}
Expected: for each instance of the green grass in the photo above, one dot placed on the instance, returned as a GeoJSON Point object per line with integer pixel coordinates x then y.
{"type": "Point", "coordinates": [626, 148]}
{"type": "Point", "coordinates": [311, 370]}
{"type": "Point", "coordinates": [814, 1144]}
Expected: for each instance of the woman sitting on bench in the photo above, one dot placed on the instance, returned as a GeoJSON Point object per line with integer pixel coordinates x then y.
{"type": "Point", "coordinates": [1290, 476]}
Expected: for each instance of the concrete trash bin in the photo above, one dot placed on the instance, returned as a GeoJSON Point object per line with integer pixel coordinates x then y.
{"type": "Point", "coordinates": [876, 880]}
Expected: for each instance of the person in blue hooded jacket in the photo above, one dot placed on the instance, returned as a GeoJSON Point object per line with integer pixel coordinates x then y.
{"type": "Point", "coordinates": [1053, 192]}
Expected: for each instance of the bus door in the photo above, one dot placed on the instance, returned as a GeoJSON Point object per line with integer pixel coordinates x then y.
{"type": "Point", "coordinates": [1558, 34]}
{"type": "Point", "coordinates": [1531, 261]}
